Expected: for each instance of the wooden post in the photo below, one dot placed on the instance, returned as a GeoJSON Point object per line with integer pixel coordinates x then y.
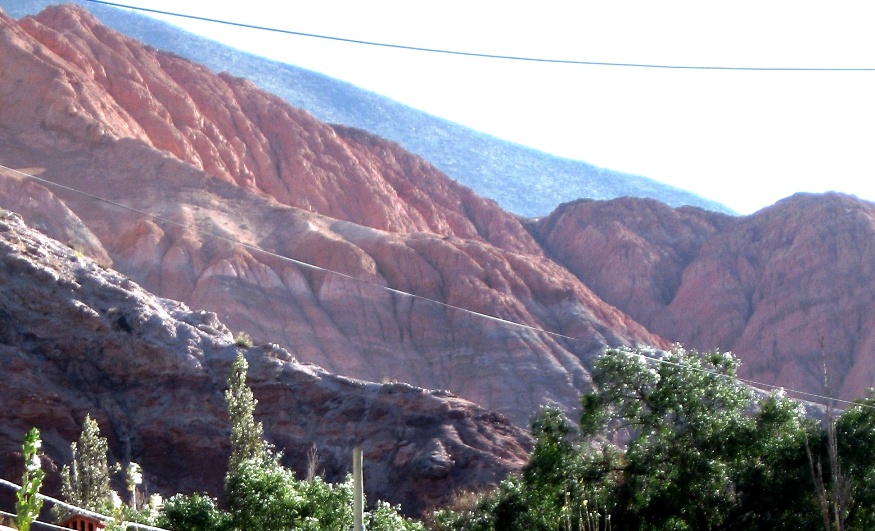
{"type": "Point", "coordinates": [358, 490]}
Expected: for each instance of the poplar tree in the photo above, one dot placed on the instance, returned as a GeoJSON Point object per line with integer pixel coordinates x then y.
{"type": "Point", "coordinates": [246, 434]}
{"type": "Point", "coordinates": [85, 482]}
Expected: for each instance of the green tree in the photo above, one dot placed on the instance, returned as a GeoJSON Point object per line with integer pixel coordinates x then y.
{"type": "Point", "coordinates": [667, 441]}
{"type": "Point", "coordinates": [86, 482]}
{"type": "Point", "coordinates": [28, 504]}
{"type": "Point", "coordinates": [704, 451]}
{"type": "Point", "coordinates": [263, 495]}
{"type": "Point", "coordinates": [855, 436]}
{"type": "Point", "coordinates": [548, 495]}
{"type": "Point", "coordinates": [246, 434]}
{"type": "Point", "coordinates": [267, 497]}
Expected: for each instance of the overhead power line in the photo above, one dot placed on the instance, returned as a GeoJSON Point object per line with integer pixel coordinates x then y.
{"type": "Point", "coordinates": [484, 55]}
{"type": "Point", "coordinates": [254, 248]}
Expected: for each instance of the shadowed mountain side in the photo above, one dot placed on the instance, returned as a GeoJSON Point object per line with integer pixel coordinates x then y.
{"type": "Point", "coordinates": [785, 289]}
{"type": "Point", "coordinates": [77, 339]}
{"type": "Point", "coordinates": [522, 180]}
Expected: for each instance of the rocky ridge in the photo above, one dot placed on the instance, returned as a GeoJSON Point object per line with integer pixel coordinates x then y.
{"type": "Point", "coordinates": [77, 339]}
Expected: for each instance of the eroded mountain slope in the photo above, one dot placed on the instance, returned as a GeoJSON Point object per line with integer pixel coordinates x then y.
{"type": "Point", "coordinates": [786, 289]}
{"type": "Point", "coordinates": [213, 160]}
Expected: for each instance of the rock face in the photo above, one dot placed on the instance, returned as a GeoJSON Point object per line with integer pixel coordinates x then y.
{"type": "Point", "coordinates": [78, 339]}
{"type": "Point", "coordinates": [787, 289]}
{"type": "Point", "coordinates": [215, 161]}
{"type": "Point", "coordinates": [632, 252]}
{"type": "Point", "coordinates": [793, 286]}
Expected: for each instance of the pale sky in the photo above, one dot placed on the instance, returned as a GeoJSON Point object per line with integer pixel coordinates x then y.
{"type": "Point", "coordinates": [746, 139]}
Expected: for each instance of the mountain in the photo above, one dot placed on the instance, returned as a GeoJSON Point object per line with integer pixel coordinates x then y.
{"type": "Point", "coordinates": [522, 180]}
{"type": "Point", "coordinates": [348, 222]}
{"type": "Point", "coordinates": [353, 253]}
{"type": "Point", "coordinates": [789, 289]}
{"type": "Point", "coordinates": [79, 339]}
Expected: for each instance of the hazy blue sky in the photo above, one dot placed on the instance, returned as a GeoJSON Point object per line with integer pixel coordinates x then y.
{"type": "Point", "coordinates": [743, 138]}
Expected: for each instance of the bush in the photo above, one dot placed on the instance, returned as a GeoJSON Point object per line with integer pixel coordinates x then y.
{"type": "Point", "coordinates": [265, 496]}
{"type": "Point", "coordinates": [243, 340]}
{"type": "Point", "coordinates": [198, 512]}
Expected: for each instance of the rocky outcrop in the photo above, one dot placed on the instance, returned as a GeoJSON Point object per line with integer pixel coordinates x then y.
{"type": "Point", "coordinates": [786, 289]}
{"type": "Point", "coordinates": [632, 252]}
{"type": "Point", "coordinates": [791, 288]}
{"type": "Point", "coordinates": [208, 168]}
{"type": "Point", "coordinates": [78, 339]}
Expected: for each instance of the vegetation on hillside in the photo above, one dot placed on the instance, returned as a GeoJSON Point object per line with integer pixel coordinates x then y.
{"type": "Point", "coordinates": [28, 503]}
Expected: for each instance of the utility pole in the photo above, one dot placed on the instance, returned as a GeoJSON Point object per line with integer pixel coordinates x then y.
{"type": "Point", "coordinates": [358, 495]}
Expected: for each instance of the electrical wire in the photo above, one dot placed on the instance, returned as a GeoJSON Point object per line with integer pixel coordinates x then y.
{"type": "Point", "coordinates": [481, 55]}
{"type": "Point", "coordinates": [256, 249]}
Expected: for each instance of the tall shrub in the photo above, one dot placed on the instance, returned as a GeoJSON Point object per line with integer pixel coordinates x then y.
{"type": "Point", "coordinates": [86, 481]}
{"type": "Point", "coordinates": [246, 434]}
{"type": "Point", "coordinates": [28, 502]}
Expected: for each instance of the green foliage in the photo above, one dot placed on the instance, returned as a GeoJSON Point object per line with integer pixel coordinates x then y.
{"type": "Point", "coordinates": [243, 340]}
{"type": "Point", "coordinates": [855, 433]}
{"type": "Point", "coordinates": [198, 512]}
{"type": "Point", "coordinates": [266, 496]}
{"type": "Point", "coordinates": [703, 451]}
{"type": "Point", "coordinates": [470, 511]}
{"type": "Point", "coordinates": [28, 503]}
{"type": "Point", "coordinates": [386, 517]}
{"type": "Point", "coordinates": [262, 495]}
{"type": "Point", "coordinates": [86, 482]}
{"type": "Point", "coordinates": [547, 495]}
{"type": "Point", "coordinates": [246, 434]}
{"type": "Point", "coordinates": [673, 441]}
{"type": "Point", "coordinates": [125, 513]}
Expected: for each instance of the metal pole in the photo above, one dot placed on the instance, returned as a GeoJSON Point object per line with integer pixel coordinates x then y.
{"type": "Point", "coordinates": [358, 490]}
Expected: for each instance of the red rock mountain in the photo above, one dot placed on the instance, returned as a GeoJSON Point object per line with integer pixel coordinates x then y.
{"type": "Point", "coordinates": [352, 223]}
{"type": "Point", "coordinates": [785, 289]}
{"type": "Point", "coordinates": [211, 154]}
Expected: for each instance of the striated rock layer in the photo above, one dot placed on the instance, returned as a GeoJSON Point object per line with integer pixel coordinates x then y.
{"type": "Point", "coordinates": [214, 161]}
{"type": "Point", "coordinates": [78, 339]}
